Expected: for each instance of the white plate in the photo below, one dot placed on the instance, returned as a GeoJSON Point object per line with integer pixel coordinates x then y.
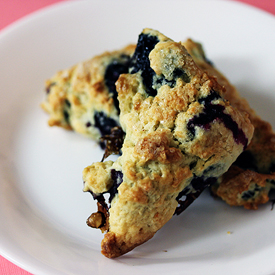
{"type": "Point", "coordinates": [42, 207]}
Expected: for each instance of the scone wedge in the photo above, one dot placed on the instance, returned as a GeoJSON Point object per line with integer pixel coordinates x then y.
{"type": "Point", "coordinates": [181, 135]}
{"type": "Point", "coordinates": [83, 98]}
{"type": "Point", "coordinates": [251, 177]}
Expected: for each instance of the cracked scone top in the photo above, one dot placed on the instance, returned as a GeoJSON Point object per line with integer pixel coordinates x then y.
{"type": "Point", "coordinates": [180, 136]}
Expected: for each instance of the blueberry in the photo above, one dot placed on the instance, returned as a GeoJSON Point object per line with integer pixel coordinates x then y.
{"type": "Point", "coordinates": [66, 116]}
{"type": "Point", "coordinates": [67, 106]}
{"type": "Point", "coordinates": [213, 112]}
{"type": "Point", "coordinates": [67, 103]}
{"type": "Point", "coordinates": [184, 192]}
{"type": "Point", "coordinates": [112, 73]}
{"type": "Point", "coordinates": [198, 185]}
{"type": "Point", "coordinates": [180, 73]}
{"type": "Point", "coordinates": [160, 80]}
{"type": "Point", "coordinates": [88, 124]}
{"type": "Point", "coordinates": [238, 133]}
{"type": "Point", "coordinates": [140, 61]}
{"type": "Point", "coordinates": [208, 100]}
{"type": "Point", "coordinates": [104, 123]}
{"type": "Point", "coordinates": [117, 178]}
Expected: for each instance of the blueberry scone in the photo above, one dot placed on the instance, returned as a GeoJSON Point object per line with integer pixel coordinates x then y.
{"type": "Point", "coordinates": [181, 135]}
{"type": "Point", "coordinates": [249, 180]}
{"type": "Point", "coordinates": [83, 98]}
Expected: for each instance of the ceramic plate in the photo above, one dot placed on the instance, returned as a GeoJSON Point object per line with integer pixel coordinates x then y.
{"type": "Point", "coordinates": [42, 207]}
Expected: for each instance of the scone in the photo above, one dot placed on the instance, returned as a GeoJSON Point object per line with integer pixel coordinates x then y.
{"type": "Point", "coordinates": [181, 135]}
{"type": "Point", "coordinates": [83, 98]}
{"type": "Point", "coordinates": [249, 180]}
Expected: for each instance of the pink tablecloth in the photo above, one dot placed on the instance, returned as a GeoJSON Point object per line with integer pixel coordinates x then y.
{"type": "Point", "coordinates": [11, 10]}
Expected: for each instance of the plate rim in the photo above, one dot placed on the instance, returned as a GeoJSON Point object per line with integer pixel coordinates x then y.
{"type": "Point", "coordinates": [24, 21]}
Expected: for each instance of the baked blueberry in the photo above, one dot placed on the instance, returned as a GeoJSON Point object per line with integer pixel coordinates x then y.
{"type": "Point", "coordinates": [112, 73]}
{"type": "Point", "coordinates": [104, 123]}
{"type": "Point", "coordinates": [140, 62]}
{"type": "Point", "coordinates": [214, 112]}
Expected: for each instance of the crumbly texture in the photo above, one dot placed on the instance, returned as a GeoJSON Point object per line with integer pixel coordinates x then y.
{"type": "Point", "coordinates": [181, 134]}
{"type": "Point", "coordinates": [250, 178]}
{"type": "Point", "coordinates": [83, 98]}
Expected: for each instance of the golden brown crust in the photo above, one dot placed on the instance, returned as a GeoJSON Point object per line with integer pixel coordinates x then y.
{"type": "Point", "coordinates": [164, 151]}
{"type": "Point", "coordinates": [112, 248]}
{"type": "Point", "coordinates": [155, 146]}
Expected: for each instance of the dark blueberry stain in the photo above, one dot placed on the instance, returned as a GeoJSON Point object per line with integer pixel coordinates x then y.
{"type": "Point", "coordinates": [177, 73]}
{"type": "Point", "coordinates": [117, 178]}
{"type": "Point", "coordinates": [104, 123]}
{"type": "Point", "coordinates": [67, 106]}
{"type": "Point", "coordinates": [112, 73]}
{"type": "Point", "coordinates": [246, 161]}
{"type": "Point", "coordinates": [180, 73]}
{"type": "Point", "coordinates": [198, 184]}
{"type": "Point", "coordinates": [213, 112]}
{"type": "Point", "coordinates": [140, 61]}
{"type": "Point", "coordinates": [88, 124]}
{"type": "Point", "coordinates": [67, 103]}
{"type": "Point", "coordinates": [99, 198]}
{"type": "Point", "coordinates": [208, 100]}
{"type": "Point", "coordinates": [66, 116]}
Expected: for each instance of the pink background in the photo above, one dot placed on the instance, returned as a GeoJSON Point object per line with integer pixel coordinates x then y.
{"type": "Point", "coordinates": [12, 10]}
